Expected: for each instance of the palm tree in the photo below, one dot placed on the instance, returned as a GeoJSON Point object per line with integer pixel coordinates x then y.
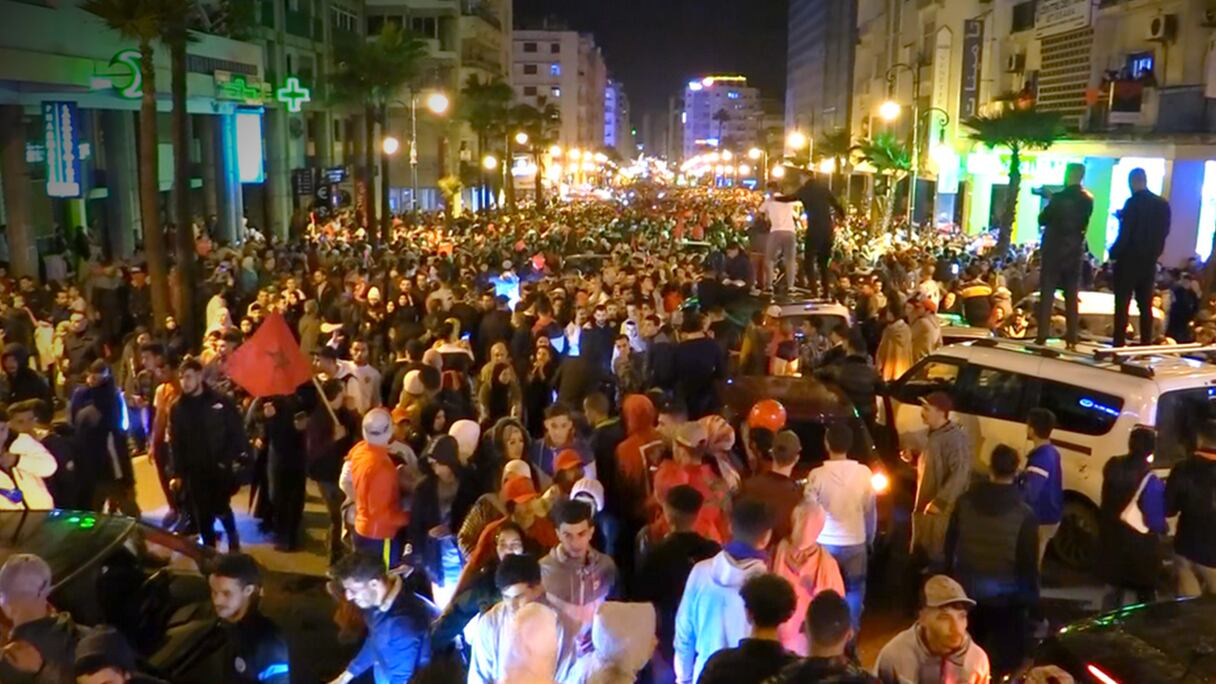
{"type": "Point", "coordinates": [543, 127]}
{"type": "Point", "coordinates": [485, 106]}
{"type": "Point", "coordinates": [176, 34]}
{"type": "Point", "coordinates": [1018, 129]}
{"type": "Point", "coordinates": [891, 162]}
{"type": "Point", "coordinates": [721, 116]}
{"type": "Point", "coordinates": [141, 21]}
{"type": "Point", "coordinates": [374, 73]}
{"type": "Point", "coordinates": [837, 146]}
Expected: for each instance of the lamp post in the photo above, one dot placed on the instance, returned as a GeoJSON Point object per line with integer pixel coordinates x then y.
{"type": "Point", "coordinates": [890, 110]}
{"type": "Point", "coordinates": [756, 154]}
{"type": "Point", "coordinates": [797, 141]}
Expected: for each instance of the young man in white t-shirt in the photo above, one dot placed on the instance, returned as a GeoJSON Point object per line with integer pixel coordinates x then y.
{"type": "Point", "coordinates": [844, 491]}
{"type": "Point", "coordinates": [780, 240]}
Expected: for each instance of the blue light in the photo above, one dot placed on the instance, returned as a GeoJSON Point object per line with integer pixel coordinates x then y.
{"type": "Point", "coordinates": [1086, 402]}
{"type": "Point", "coordinates": [734, 95]}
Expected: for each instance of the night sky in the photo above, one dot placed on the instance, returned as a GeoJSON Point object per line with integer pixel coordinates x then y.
{"type": "Point", "coordinates": [654, 46]}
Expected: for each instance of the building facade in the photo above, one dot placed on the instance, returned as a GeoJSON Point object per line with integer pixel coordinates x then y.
{"type": "Point", "coordinates": [465, 39]}
{"type": "Point", "coordinates": [618, 127]}
{"type": "Point", "coordinates": [819, 64]}
{"type": "Point", "coordinates": [1131, 79]}
{"type": "Point", "coordinates": [720, 111]}
{"type": "Point", "coordinates": [567, 69]}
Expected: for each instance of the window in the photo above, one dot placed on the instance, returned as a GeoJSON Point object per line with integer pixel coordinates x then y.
{"type": "Point", "coordinates": [343, 19]}
{"type": "Point", "coordinates": [375, 25]}
{"type": "Point", "coordinates": [1080, 410]}
{"type": "Point", "coordinates": [1179, 415]}
{"type": "Point", "coordinates": [555, 69]}
{"type": "Point", "coordinates": [992, 393]}
{"type": "Point", "coordinates": [529, 91]}
{"type": "Point", "coordinates": [530, 69]}
{"type": "Point", "coordinates": [427, 27]}
{"type": "Point", "coordinates": [1139, 64]}
{"type": "Point", "coordinates": [1023, 16]}
{"type": "Point", "coordinates": [529, 47]}
{"type": "Point", "coordinates": [931, 375]}
{"type": "Point", "coordinates": [555, 48]}
{"type": "Point", "coordinates": [557, 92]}
{"type": "Point", "coordinates": [734, 95]}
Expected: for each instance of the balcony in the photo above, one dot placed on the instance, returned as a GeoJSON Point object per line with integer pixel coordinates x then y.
{"type": "Point", "coordinates": [1170, 110]}
{"type": "Point", "coordinates": [482, 10]}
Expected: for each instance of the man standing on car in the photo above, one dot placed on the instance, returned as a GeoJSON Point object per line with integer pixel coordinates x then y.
{"type": "Point", "coordinates": [1144, 223]}
{"type": "Point", "coordinates": [1064, 221]}
{"type": "Point", "coordinates": [818, 203]}
{"type": "Point", "coordinates": [780, 239]}
{"type": "Point", "coordinates": [943, 473]}
{"type": "Point", "coordinates": [207, 438]}
{"type": "Point", "coordinates": [255, 649]}
{"type": "Point", "coordinates": [1190, 493]}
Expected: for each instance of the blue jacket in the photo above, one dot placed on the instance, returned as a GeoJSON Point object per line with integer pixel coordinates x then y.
{"type": "Point", "coordinates": [1042, 484]}
{"type": "Point", "coordinates": [398, 639]}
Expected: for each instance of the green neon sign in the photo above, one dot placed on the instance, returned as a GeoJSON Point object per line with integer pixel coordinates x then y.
{"type": "Point", "coordinates": [130, 59]}
{"type": "Point", "coordinates": [239, 89]}
{"type": "Point", "coordinates": [293, 94]}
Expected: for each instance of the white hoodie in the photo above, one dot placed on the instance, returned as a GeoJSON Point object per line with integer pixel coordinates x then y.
{"type": "Point", "coordinates": [34, 463]}
{"type": "Point", "coordinates": [711, 615]}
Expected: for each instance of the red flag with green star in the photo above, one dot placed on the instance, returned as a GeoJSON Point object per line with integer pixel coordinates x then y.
{"type": "Point", "coordinates": [270, 362]}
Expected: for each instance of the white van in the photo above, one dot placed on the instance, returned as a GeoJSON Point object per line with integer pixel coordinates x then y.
{"type": "Point", "coordinates": [1097, 394]}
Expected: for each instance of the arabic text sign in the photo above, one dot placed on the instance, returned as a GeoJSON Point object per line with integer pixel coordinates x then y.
{"type": "Point", "coordinates": [60, 126]}
{"type": "Point", "coordinates": [1060, 16]}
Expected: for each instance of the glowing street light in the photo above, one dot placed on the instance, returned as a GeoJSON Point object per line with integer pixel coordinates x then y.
{"type": "Point", "coordinates": [827, 166]}
{"type": "Point", "coordinates": [521, 138]}
{"type": "Point", "coordinates": [778, 172]}
{"type": "Point", "coordinates": [555, 151]}
{"type": "Point", "coordinates": [437, 103]}
{"type": "Point", "coordinates": [744, 169]}
{"type": "Point", "coordinates": [574, 153]}
{"type": "Point", "coordinates": [726, 155]}
{"type": "Point", "coordinates": [390, 145]}
{"type": "Point", "coordinates": [796, 140]}
{"type": "Point", "coordinates": [489, 162]}
{"type": "Point", "coordinates": [712, 157]}
{"type": "Point", "coordinates": [889, 110]}
{"type": "Point", "coordinates": [755, 153]}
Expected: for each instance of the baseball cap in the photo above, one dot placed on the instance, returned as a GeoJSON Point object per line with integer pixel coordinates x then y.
{"type": "Point", "coordinates": [773, 311]}
{"type": "Point", "coordinates": [25, 575]}
{"type": "Point", "coordinates": [938, 400]}
{"type": "Point", "coordinates": [518, 489]}
{"type": "Point", "coordinates": [516, 468]}
{"type": "Point", "coordinates": [591, 489]}
{"type": "Point", "coordinates": [941, 591]}
{"type": "Point", "coordinates": [786, 443]}
{"type": "Point", "coordinates": [568, 458]}
{"type": "Point", "coordinates": [104, 648]}
{"type": "Point", "coordinates": [691, 434]}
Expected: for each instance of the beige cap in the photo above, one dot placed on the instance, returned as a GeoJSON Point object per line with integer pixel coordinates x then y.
{"type": "Point", "coordinates": [691, 434]}
{"type": "Point", "coordinates": [25, 576]}
{"type": "Point", "coordinates": [941, 591]}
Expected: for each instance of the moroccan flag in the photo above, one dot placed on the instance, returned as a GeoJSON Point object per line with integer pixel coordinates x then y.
{"type": "Point", "coordinates": [270, 362]}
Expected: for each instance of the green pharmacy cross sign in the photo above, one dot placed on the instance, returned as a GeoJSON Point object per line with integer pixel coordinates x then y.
{"type": "Point", "coordinates": [293, 94]}
{"type": "Point", "coordinates": [239, 89]}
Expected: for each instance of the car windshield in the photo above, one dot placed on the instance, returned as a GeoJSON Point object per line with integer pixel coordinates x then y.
{"type": "Point", "coordinates": [1179, 415]}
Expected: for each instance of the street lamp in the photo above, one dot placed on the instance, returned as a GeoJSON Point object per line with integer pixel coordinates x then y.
{"type": "Point", "coordinates": [521, 138]}
{"type": "Point", "coordinates": [437, 103]}
{"type": "Point", "coordinates": [778, 171]}
{"type": "Point", "coordinates": [726, 155]}
{"type": "Point", "coordinates": [555, 151]}
{"type": "Point", "coordinates": [796, 140]}
{"type": "Point", "coordinates": [755, 153]}
{"type": "Point", "coordinates": [390, 145]}
{"type": "Point", "coordinates": [884, 110]}
{"type": "Point", "coordinates": [489, 162]}
{"type": "Point", "coordinates": [889, 110]}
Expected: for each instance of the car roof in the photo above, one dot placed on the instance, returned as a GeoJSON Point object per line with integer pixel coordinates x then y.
{"type": "Point", "coordinates": [812, 307]}
{"type": "Point", "coordinates": [67, 540]}
{"type": "Point", "coordinates": [1092, 303]}
{"type": "Point", "coordinates": [1147, 643]}
{"type": "Point", "coordinates": [1168, 370]}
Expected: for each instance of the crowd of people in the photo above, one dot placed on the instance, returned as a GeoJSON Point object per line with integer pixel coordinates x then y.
{"type": "Point", "coordinates": [516, 417]}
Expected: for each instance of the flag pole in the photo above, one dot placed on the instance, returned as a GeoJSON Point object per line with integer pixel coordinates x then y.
{"type": "Point", "coordinates": [321, 393]}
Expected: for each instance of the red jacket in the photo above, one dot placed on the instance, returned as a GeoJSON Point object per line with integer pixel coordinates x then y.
{"type": "Point", "coordinates": [378, 513]}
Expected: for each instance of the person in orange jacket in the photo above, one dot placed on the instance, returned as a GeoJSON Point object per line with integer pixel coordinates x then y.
{"type": "Point", "coordinates": [379, 517]}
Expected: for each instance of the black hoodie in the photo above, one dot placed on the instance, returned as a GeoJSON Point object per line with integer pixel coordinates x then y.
{"type": "Point", "coordinates": [26, 383]}
{"type": "Point", "coordinates": [992, 545]}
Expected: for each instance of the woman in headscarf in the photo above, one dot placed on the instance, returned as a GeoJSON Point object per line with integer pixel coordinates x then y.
{"type": "Point", "coordinates": [894, 356]}
{"type": "Point", "coordinates": [720, 439]}
{"type": "Point", "coordinates": [538, 389]}
{"type": "Point", "coordinates": [526, 509]}
{"type": "Point", "coordinates": [809, 568]}
{"type": "Point", "coordinates": [531, 647]}
{"type": "Point", "coordinates": [475, 591]}
{"type": "Point", "coordinates": [489, 507]}
{"type": "Point", "coordinates": [440, 505]}
{"type": "Point", "coordinates": [501, 396]}
{"type": "Point", "coordinates": [623, 637]}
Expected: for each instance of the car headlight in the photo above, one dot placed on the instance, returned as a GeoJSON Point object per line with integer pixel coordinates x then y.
{"type": "Point", "coordinates": [880, 482]}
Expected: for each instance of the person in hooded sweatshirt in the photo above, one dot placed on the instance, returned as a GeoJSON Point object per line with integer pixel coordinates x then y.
{"type": "Point", "coordinates": [712, 616]}
{"type": "Point", "coordinates": [1190, 493]}
{"type": "Point", "coordinates": [809, 569]}
{"type": "Point", "coordinates": [42, 642]}
{"type": "Point", "coordinates": [379, 518]}
{"type": "Point", "coordinates": [992, 548]}
{"type": "Point", "coordinates": [943, 474]}
{"type": "Point", "coordinates": [622, 637]}
{"type": "Point", "coordinates": [24, 383]}
{"type": "Point", "coordinates": [24, 466]}
{"type": "Point", "coordinates": [577, 578]}
{"type": "Point", "coordinates": [769, 602]}
{"type": "Point", "coordinates": [96, 412]}
{"type": "Point", "coordinates": [628, 489]}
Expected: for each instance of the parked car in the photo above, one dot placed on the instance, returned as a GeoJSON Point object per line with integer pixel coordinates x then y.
{"type": "Point", "coordinates": [1097, 395]}
{"type": "Point", "coordinates": [149, 584]}
{"type": "Point", "coordinates": [1173, 642]}
{"type": "Point", "coordinates": [1096, 314]}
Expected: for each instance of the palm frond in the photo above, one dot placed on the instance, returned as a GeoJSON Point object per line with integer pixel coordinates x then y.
{"type": "Point", "coordinates": [1025, 129]}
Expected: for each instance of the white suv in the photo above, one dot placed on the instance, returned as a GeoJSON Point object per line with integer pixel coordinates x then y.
{"type": "Point", "coordinates": [1097, 395]}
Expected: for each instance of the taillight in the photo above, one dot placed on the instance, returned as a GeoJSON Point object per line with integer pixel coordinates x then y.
{"type": "Point", "coordinates": [1099, 675]}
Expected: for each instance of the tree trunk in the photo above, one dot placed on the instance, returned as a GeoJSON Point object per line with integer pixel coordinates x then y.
{"type": "Point", "coordinates": [149, 189]}
{"type": "Point", "coordinates": [185, 307]}
{"type": "Point", "coordinates": [21, 242]}
{"type": "Point", "coordinates": [1009, 211]}
{"type": "Point", "coordinates": [386, 211]}
{"type": "Point", "coordinates": [369, 164]}
{"type": "Point", "coordinates": [509, 178]}
{"type": "Point", "coordinates": [540, 173]}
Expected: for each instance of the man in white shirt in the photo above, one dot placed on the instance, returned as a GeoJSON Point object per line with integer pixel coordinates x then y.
{"type": "Point", "coordinates": [843, 489]}
{"type": "Point", "coordinates": [781, 240]}
{"type": "Point", "coordinates": [367, 379]}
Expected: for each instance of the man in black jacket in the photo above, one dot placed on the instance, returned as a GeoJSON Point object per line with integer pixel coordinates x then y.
{"type": "Point", "coordinates": [769, 602]}
{"type": "Point", "coordinates": [95, 411]}
{"type": "Point", "coordinates": [207, 440]}
{"type": "Point", "coordinates": [1144, 223]}
{"type": "Point", "coordinates": [25, 382]}
{"type": "Point", "coordinates": [818, 203]}
{"type": "Point", "coordinates": [1190, 493]}
{"type": "Point", "coordinates": [255, 650]}
{"type": "Point", "coordinates": [857, 377]}
{"type": "Point", "coordinates": [326, 443]}
{"type": "Point", "coordinates": [992, 549]}
{"type": "Point", "coordinates": [1064, 221]}
{"type": "Point", "coordinates": [829, 631]}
